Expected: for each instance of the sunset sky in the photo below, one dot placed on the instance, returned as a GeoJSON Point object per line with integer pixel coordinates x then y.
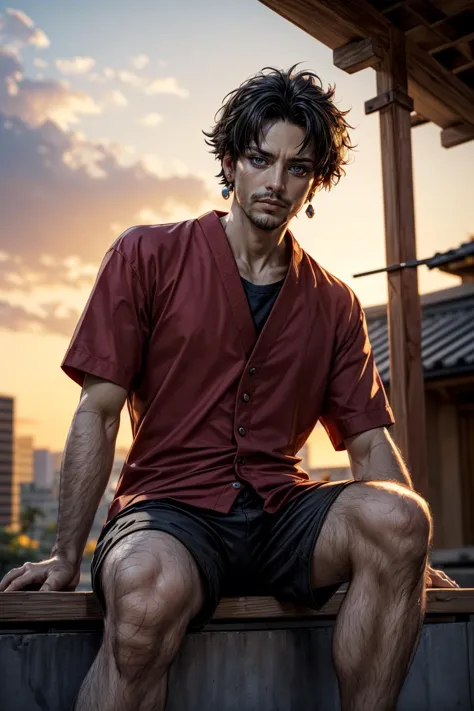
{"type": "Point", "coordinates": [102, 104]}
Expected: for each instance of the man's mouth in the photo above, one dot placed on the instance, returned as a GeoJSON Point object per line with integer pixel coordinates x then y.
{"type": "Point", "coordinates": [276, 203]}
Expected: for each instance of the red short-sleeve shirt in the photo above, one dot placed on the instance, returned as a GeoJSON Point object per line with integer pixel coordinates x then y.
{"type": "Point", "coordinates": [210, 403]}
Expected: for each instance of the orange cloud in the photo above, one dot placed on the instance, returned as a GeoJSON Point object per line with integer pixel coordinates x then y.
{"type": "Point", "coordinates": [115, 98]}
{"type": "Point", "coordinates": [38, 101]}
{"type": "Point", "coordinates": [17, 27]}
{"type": "Point", "coordinates": [140, 61]}
{"type": "Point", "coordinates": [63, 207]}
{"type": "Point", "coordinates": [64, 201]}
{"type": "Point", "coordinates": [16, 274]}
{"type": "Point", "coordinates": [53, 320]}
{"type": "Point", "coordinates": [76, 65]}
{"type": "Point", "coordinates": [149, 86]}
{"type": "Point", "coordinates": [152, 120]}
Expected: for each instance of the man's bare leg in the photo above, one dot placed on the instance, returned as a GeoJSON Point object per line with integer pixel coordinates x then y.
{"type": "Point", "coordinates": [377, 536]}
{"type": "Point", "coordinates": [152, 589]}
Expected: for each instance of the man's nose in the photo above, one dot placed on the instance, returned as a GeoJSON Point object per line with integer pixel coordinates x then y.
{"type": "Point", "coordinates": [276, 179]}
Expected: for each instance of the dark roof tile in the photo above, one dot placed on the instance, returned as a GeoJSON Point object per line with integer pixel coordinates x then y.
{"type": "Point", "coordinates": [447, 335]}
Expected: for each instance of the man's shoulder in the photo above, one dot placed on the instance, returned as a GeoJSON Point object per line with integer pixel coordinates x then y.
{"type": "Point", "coordinates": [146, 239]}
{"type": "Point", "coordinates": [330, 287]}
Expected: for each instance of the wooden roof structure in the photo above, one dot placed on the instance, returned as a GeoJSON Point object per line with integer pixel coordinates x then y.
{"type": "Point", "coordinates": [447, 347]}
{"type": "Point", "coordinates": [460, 262]}
{"type": "Point", "coordinates": [423, 55]}
{"type": "Point", "coordinates": [439, 40]}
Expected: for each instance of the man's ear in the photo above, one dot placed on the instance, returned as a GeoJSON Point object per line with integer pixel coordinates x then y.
{"type": "Point", "coordinates": [228, 167]}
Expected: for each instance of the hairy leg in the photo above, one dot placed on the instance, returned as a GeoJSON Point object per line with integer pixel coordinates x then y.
{"type": "Point", "coordinates": [152, 588]}
{"type": "Point", "coordinates": [376, 536]}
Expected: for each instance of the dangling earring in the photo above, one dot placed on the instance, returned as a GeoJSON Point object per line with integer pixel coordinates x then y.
{"type": "Point", "coordinates": [310, 211]}
{"type": "Point", "coordinates": [226, 191]}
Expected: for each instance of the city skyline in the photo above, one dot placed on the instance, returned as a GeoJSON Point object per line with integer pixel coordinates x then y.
{"type": "Point", "coordinates": [101, 129]}
{"type": "Point", "coordinates": [30, 477]}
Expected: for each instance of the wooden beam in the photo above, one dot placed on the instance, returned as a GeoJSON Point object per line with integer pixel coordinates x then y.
{"type": "Point", "coordinates": [450, 523]}
{"type": "Point", "coordinates": [431, 84]}
{"type": "Point", "coordinates": [468, 64]}
{"type": "Point", "coordinates": [438, 88]}
{"type": "Point", "coordinates": [438, 95]}
{"type": "Point", "coordinates": [457, 134]}
{"type": "Point", "coordinates": [404, 312]}
{"type": "Point", "coordinates": [334, 24]}
{"type": "Point", "coordinates": [83, 606]}
{"type": "Point", "coordinates": [451, 43]}
{"type": "Point", "coordinates": [461, 381]}
{"type": "Point", "coordinates": [394, 96]}
{"type": "Point", "coordinates": [353, 57]}
{"type": "Point", "coordinates": [418, 120]}
{"type": "Point", "coordinates": [392, 6]}
{"type": "Point", "coordinates": [454, 7]}
{"type": "Point", "coordinates": [455, 62]}
{"type": "Point", "coordinates": [427, 13]}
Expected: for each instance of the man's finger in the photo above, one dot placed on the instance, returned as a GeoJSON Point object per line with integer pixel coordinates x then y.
{"type": "Point", "coordinates": [20, 582]}
{"type": "Point", "coordinates": [53, 583]}
{"type": "Point", "coordinates": [15, 573]}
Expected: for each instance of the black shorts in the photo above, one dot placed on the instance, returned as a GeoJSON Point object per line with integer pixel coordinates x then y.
{"type": "Point", "coordinates": [244, 552]}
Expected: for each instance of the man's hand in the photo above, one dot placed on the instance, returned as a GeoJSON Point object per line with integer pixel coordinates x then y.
{"type": "Point", "coordinates": [56, 573]}
{"type": "Point", "coordinates": [438, 579]}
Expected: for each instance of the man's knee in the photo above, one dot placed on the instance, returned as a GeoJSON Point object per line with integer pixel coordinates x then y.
{"type": "Point", "coordinates": [395, 519]}
{"type": "Point", "coordinates": [152, 592]}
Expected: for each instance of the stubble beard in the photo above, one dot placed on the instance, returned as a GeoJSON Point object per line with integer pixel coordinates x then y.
{"type": "Point", "coordinates": [268, 223]}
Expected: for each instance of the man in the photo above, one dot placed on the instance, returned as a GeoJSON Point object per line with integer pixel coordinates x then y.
{"type": "Point", "coordinates": [229, 343]}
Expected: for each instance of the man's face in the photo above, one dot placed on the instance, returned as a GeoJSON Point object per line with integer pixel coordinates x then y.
{"type": "Point", "coordinates": [272, 181]}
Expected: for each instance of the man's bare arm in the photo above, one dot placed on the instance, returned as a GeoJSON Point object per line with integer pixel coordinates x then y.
{"type": "Point", "coordinates": [374, 456]}
{"type": "Point", "coordinates": [85, 470]}
{"type": "Point", "coordinates": [87, 463]}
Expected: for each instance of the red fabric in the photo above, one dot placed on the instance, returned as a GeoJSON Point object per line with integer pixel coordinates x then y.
{"type": "Point", "coordinates": [168, 320]}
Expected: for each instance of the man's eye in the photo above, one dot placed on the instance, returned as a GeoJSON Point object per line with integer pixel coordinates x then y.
{"type": "Point", "coordinates": [257, 160]}
{"type": "Point", "coordinates": [299, 169]}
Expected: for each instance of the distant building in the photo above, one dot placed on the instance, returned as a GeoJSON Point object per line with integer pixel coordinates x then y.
{"type": "Point", "coordinates": [44, 500]}
{"type": "Point", "coordinates": [97, 525]}
{"type": "Point", "coordinates": [101, 515]}
{"type": "Point", "coordinates": [23, 460]}
{"type": "Point", "coordinates": [57, 458]}
{"type": "Point", "coordinates": [9, 491]}
{"type": "Point", "coordinates": [43, 469]}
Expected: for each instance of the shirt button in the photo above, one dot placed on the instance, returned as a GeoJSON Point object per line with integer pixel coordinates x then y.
{"type": "Point", "coordinates": [236, 485]}
{"type": "Point", "coordinates": [252, 371]}
{"type": "Point", "coordinates": [241, 431]}
{"type": "Point", "coordinates": [240, 460]}
{"type": "Point", "coordinates": [245, 397]}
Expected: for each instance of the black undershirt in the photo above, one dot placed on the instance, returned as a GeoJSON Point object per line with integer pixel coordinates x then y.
{"type": "Point", "coordinates": [261, 298]}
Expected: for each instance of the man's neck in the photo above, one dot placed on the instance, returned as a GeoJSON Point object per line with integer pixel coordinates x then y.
{"type": "Point", "coordinates": [261, 255]}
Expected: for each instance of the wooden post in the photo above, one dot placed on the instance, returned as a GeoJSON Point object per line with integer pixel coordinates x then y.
{"type": "Point", "coordinates": [404, 314]}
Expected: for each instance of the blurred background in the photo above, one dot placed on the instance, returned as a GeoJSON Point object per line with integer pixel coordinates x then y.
{"type": "Point", "coordinates": [102, 107]}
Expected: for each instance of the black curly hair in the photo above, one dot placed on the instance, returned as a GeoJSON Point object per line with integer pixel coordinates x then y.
{"type": "Point", "coordinates": [277, 95]}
